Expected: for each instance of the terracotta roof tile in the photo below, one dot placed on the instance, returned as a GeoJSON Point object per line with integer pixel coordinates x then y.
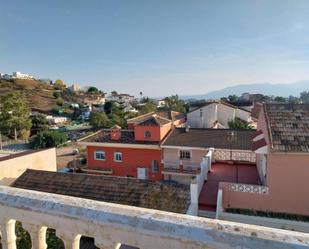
{"type": "Point", "coordinates": [207, 138]}
{"type": "Point", "coordinates": [288, 127]}
{"type": "Point", "coordinates": [127, 137]}
{"type": "Point", "coordinates": [120, 190]}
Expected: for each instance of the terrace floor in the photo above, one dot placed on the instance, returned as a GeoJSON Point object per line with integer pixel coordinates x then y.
{"type": "Point", "coordinates": [222, 172]}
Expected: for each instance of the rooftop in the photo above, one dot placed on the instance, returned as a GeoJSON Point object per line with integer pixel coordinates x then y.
{"type": "Point", "coordinates": [288, 126]}
{"type": "Point", "coordinates": [208, 138]}
{"type": "Point", "coordinates": [119, 190]}
{"type": "Point", "coordinates": [154, 120]}
{"type": "Point", "coordinates": [218, 102]}
{"type": "Point", "coordinates": [236, 173]}
{"type": "Point", "coordinates": [127, 137]}
{"type": "Point", "coordinates": [164, 115]}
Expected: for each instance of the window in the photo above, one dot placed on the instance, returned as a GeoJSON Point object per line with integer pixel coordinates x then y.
{"type": "Point", "coordinates": [118, 157]}
{"type": "Point", "coordinates": [147, 134]}
{"type": "Point", "coordinates": [154, 166]}
{"type": "Point", "coordinates": [99, 155]}
{"type": "Point", "coordinates": [184, 154]}
{"type": "Point", "coordinates": [201, 112]}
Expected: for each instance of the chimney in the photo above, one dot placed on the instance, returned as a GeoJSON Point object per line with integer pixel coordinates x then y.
{"type": "Point", "coordinates": [187, 128]}
{"type": "Point", "coordinates": [116, 132]}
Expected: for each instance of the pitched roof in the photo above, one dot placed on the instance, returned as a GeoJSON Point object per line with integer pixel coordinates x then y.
{"type": "Point", "coordinates": [288, 126]}
{"type": "Point", "coordinates": [207, 138]}
{"type": "Point", "coordinates": [104, 136]}
{"type": "Point", "coordinates": [154, 120]}
{"type": "Point", "coordinates": [120, 190]}
{"type": "Point", "coordinates": [218, 102]}
{"type": "Point", "coordinates": [163, 116]}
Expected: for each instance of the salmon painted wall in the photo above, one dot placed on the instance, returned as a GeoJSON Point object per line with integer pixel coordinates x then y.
{"type": "Point", "coordinates": [157, 132]}
{"type": "Point", "coordinates": [131, 160]}
{"type": "Point", "coordinates": [288, 187]}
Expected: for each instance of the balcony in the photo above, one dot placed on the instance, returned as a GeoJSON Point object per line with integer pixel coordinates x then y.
{"type": "Point", "coordinates": [112, 225]}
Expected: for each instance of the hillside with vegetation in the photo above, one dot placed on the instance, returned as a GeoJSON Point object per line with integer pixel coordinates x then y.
{"type": "Point", "coordinates": [40, 95]}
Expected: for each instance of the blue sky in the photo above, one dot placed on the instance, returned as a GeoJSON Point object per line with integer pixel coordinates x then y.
{"type": "Point", "coordinates": [159, 47]}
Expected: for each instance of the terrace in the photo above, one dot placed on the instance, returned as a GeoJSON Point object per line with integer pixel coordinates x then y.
{"type": "Point", "coordinates": [224, 172]}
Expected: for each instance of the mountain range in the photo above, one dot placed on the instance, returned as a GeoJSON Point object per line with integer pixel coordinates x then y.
{"type": "Point", "coordinates": [279, 89]}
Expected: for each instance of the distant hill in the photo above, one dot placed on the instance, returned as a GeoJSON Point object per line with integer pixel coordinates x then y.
{"type": "Point", "coordinates": [284, 90]}
{"type": "Point", "coordinates": [38, 94]}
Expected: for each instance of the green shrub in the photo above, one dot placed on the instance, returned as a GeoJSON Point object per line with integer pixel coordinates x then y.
{"type": "Point", "coordinates": [49, 139]}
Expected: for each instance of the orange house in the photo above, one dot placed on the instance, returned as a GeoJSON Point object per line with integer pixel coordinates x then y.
{"type": "Point", "coordinates": [134, 152]}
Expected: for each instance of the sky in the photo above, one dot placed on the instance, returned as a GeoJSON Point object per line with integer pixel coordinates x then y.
{"type": "Point", "coordinates": [159, 47]}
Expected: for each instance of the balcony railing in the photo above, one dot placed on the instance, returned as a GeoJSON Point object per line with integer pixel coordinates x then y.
{"type": "Point", "coordinates": [181, 167]}
{"type": "Point", "coordinates": [111, 225]}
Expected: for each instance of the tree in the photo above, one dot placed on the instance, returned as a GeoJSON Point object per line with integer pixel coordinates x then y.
{"type": "Point", "coordinates": [239, 124]}
{"type": "Point", "coordinates": [39, 123]}
{"type": "Point", "coordinates": [49, 139]}
{"type": "Point", "coordinates": [114, 93]}
{"type": "Point", "coordinates": [293, 100]}
{"type": "Point", "coordinates": [174, 103]}
{"type": "Point", "coordinates": [57, 95]}
{"type": "Point", "coordinates": [146, 108]}
{"type": "Point", "coordinates": [304, 97]}
{"type": "Point", "coordinates": [108, 107]}
{"type": "Point", "coordinates": [14, 114]}
{"type": "Point", "coordinates": [93, 89]}
{"type": "Point", "coordinates": [59, 85]}
{"type": "Point", "coordinates": [233, 98]}
{"type": "Point", "coordinates": [98, 120]}
{"type": "Point", "coordinates": [280, 99]}
{"type": "Point", "coordinates": [24, 134]}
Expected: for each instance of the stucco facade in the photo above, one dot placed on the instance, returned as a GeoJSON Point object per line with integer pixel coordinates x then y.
{"type": "Point", "coordinates": [132, 159]}
{"type": "Point", "coordinates": [285, 174]}
{"type": "Point", "coordinates": [208, 115]}
{"type": "Point", "coordinates": [13, 166]}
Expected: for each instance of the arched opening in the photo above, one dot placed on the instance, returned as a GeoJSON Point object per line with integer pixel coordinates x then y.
{"type": "Point", "coordinates": [52, 240]}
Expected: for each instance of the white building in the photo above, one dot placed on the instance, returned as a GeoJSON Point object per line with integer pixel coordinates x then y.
{"type": "Point", "coordinates": [121, 98]}
{"type": "Point", "coordinates": [160, 103]}
{"type": "Point", "coordinates": [19, 75]}
{"type": "Point", "coordinates": [216, 114]}
{"type": "Point", "coordinates": [56, 119]}
{"type": "Point", "coordinates": [75, 88]}
{"type": "Point", "coordinates": [130, 108]}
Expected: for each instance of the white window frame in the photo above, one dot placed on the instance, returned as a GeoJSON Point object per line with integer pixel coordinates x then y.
{"type": "Point", "coordinates": [115, 156]}
{"type": "Point", "coordinates": [99, 159]}
{"type": "Point", "coordinates": [185, 159]}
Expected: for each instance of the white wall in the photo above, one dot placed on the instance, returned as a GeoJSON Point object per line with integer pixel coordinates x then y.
{"type": "Point", "coordinates": [12, 168]}
{"type": "Point", "coordinates": [246, 116]}
{"type": "Point", "coordinates": [225, 114]}
{"type": "Point", "coordinates": [209, 116]}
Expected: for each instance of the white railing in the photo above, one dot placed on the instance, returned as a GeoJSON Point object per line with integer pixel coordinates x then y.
{"type": "Point", "coordinates": [248, 188]}
{"type": "Point", "coordinates": [112, 224]}
{"type": "Point", "coordinates": [219, 204]}
{"type": "Point", "coordinates": [185, 167]}
{"type": "Point", "coordinates": [234, 155]}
